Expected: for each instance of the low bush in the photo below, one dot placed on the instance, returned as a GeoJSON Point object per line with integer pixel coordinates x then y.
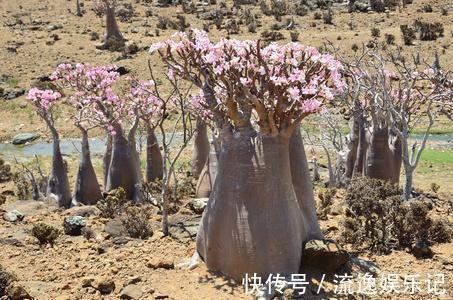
{"type": "Point", "coordinates": [408, 34]}
{"type": "Point", "coordinates": [46, 234]}
{"type": "Point", "coordinates": [136, 221]}
{"type": "Point", "coordinates": [113, 204]}
{"type": "Point", "coordinates": [6, 278]}
{"type": "Point", "coordinates": [378, 219]}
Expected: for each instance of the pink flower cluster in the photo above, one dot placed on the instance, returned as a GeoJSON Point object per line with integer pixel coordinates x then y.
{"type": "Point", "coordinates": [92, 91]}
{"type": "Point", "coordinates": [43, 99]}
{"type": "Point", "coordinates": [293, 77]}
{"type": "Point", "coordinates": [142, 100]}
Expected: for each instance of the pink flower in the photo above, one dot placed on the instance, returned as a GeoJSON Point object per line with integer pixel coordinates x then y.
{"type": "Point", "coordinates": [311, 105]}
{"type": "Point", "coordinates": [294, 93]}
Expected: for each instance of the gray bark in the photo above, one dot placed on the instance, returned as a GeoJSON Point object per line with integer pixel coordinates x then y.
{"type": "Point", "coordinates": [87, 190]}
{"type": "Point", "coordinates": [58, 180]}
{"type": "Point", "coordinates": [154, 161]}
{"type": "Point", "coordinates": [253, 186]}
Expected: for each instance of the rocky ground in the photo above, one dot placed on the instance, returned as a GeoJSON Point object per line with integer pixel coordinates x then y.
{"type": "Point", "coordinates": [110, 265]}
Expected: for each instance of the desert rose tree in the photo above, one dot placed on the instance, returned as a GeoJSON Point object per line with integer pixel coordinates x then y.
{"type": "Point", "coordinates": [255, 221]}
{"type": "Point", "coordinates": [409, 97]}
{"type": "Point", "coordinates": [113, 38]}
{"type": "Point", "coordinates": [93, 88]}
{"type": "Point", "coordinates": [44, 102]}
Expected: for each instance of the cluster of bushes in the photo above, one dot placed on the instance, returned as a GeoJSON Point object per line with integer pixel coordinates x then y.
{"type": "Point", "coordinates": [427, 31]}
{"type": "Point", "coordinates": [378, 219]}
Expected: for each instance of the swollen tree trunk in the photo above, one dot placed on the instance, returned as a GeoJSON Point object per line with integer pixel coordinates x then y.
{"type": "Point", "coordinates": [123, 169]}
{"type": "Point", "coordinates": [208, 174]}
{"type": "Point", "coordinates": [379, 158]}
{"type": "Point", "coordinates": [303, 186]}
{"type": "Point", "coordinates": [87, 190]}
{"type": "Point", "coordinates": [107, 158]}
{"type": "Point", "coordinates": [58, 180]}
{"type": "Point", "coordinates": [113, 33]}
{"type": "Point", "coordinates": [253, 222]}
{"type": "Point", "coordinates": [200, 148]}
{"type": "Point", "coordinates": [154, 161]}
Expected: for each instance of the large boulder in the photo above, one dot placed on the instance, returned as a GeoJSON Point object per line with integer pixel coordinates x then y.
{"type": "Point", "coordinates": [74, 225]}
{"type": "Point", "coordinates": [324, 254]}
{"type": "Point", "coordinates": [23, 138]}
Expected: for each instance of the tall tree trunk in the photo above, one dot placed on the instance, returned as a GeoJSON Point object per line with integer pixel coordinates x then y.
{"type": "Point", "coordinates": [200, 148]}
{"type": "Point", "coordinates": [107, 158]}
{"type": "Point", "coordinates": [58, 179]}
{"type": "Point", "coordinates": [379, 159]}
{"type": "Point", "coordinates": [253, 186]}
{"type": "Point", "coordinates": [303, 186]}
{"type": "Point", "coordinates": [409, 171]}
{"type": "Point", "coordinates": [353, 145]}
{"type": "Point", "coordinates": [396, 152]}
{"type": "Point", "coordinates": [87, 190]}
{"type": "Point", "coordinates": [208, 174]}
{"type": "Point", "coordinates": [112, 30]}
{"type": "Point", "coordinates": [123, 169]}
{"type": "Point", "coordinates": [359, 164]}
{"type": "Point", "coordinates": [78, 9]}
{"type": "Point", "coordinates": [154, 161]}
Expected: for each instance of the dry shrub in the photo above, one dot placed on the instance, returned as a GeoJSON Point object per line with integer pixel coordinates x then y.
{"type": "Point", "coordinates": [136, 221]}
{"type": "Point", "coordinates": [5, 171]}
{"type": "Point", "coordinates": [6, 278]}
{"type": "Point", "coordinates": [408, 34]}
{"type": "Point", "coordinates": [113, 204]}
{"type": "Point", "coordinates": [378, 219]}
{"type": "Point", "coordinates": [46, 234]}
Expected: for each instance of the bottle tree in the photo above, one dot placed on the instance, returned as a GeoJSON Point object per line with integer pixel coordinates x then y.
{"type": "Point", "coordinates": [45, 102]}
{"type": "Point", "coordinates": [255, 220]}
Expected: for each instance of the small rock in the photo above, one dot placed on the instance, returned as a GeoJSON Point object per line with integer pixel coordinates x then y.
{"type": "Point", "coordinates": [130, 48]}
{"type": "Point", "coordinates": [366, 266]}
{"type": "Point", "coordinates": [132, 280]}
{"type": "Point", "coordinates": [160, 296]}
{"type": "Point", "coordinates": [135, 30]}
{"type": "Point", "coordinates": [422, 250]}
{"type": "Point", "coordinates": [13, 216]}
{"type": "Point", "coordinates": [23, 138]}
{"type": "Point", "coordinates": [87, 282]}
{"type": "Point", "coordinates": [115, 228]}
{"type": "Point", "coordinates": [73, 225]}
{"type": "Point", "coordinates": [83, 211]}
{"type": "Point", "coordinates": [17, 292]}
{"type": "Point", "coordinates": [52, 27]}
{"type": "Point", "coordinates": [198, 205]}
{"type": "Point", "coordinates": [160, 263]}
{"type": "Point", "coordinates": [131, 291]}
{"type": "Point", "coordinates": [104, 285]}
{"type": "Point", "coordinates": [324, 254]}
{"type": "Point", "coordinates": [102, 249]}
